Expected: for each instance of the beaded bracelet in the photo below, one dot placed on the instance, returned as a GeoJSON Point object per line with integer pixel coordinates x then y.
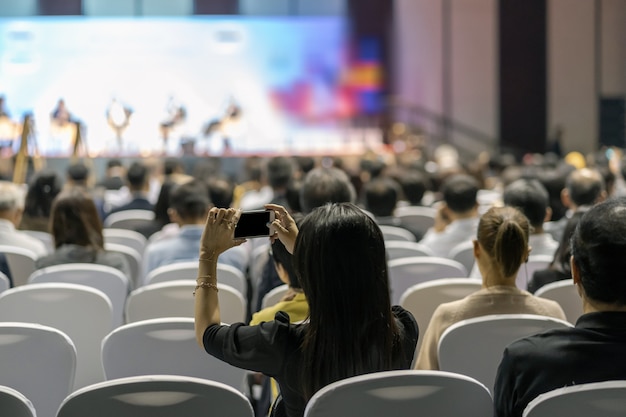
{"type": "Point", "coordinates": [205, 284]}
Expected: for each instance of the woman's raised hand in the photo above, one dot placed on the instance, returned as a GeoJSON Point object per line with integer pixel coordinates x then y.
{"type": "Point", "coordinates": [218, 234]}
{"type": "Point", "coordinates": [284, 227]}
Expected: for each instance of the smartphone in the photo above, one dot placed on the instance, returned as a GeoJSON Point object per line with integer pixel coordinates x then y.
{"type": "Point", "coordinates": [254, 223]}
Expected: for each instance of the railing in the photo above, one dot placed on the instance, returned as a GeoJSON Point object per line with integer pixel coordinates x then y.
{"type": "Point", "coordinates": [440, 129]}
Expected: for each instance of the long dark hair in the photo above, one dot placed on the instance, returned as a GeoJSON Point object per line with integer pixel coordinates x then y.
{"type": "Point", "coordinates": [340, 260]}
{"type": "Point", "coordinates": [75, 220]}
{"type": "Point", "coordinates": [43, 188]}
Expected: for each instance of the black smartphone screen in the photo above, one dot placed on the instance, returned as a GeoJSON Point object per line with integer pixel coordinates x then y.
{"type": "Point", "coordinates": [253, 224]}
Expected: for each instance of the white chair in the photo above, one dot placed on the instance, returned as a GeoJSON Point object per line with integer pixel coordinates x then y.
{"type": "Point", "coordinates": [83, 313]}
{"type": "Point", "coordinates": [463, 253]}
{"type": "Point", "coordinates": [401, 249]}
{"type": "Point", "coordinates": [172, 299]}
{"type": "Point", "coordinates": [107, 279]}
{"type": "Point", "coordinates": [417, 217]}
{"type": "Point", "coordinates": [396, 233]}
{"type": "Point", "coordinates": [21, 263]}
{"type": "Point", "coordinates": [14, 404]}
{"type": "Point", "coordinates": [229, 275]}
{"type": "Point", "coordinates": [406, 272]}
{"type": "Point", "coordinates": [126, 237]}
{"type": "Point", "coordinates": [5, 284]}
{"type": "Point", "coordinates": [402, 394]}
{"type": "Point", "coordinates": [564, 292]}
{"type": "Point", "coordinates": [163, 346]}
{"type": "Point", "coordinates": [474, 346]}
{"type": "Point", "coordinates": [422, 299]}
{"type": "Point", "coordinates": [528, 268]}
{"type": "Point", "coordinates": [274, 296]}
{"type": "Point", "coordinates": [606, 399]}
{"type": "Point", "coordinates": [127, 218]}
{"type": "Point", "coordinates": [132, 257]}
{"type": "Point", "coordinates": [174, 271]}
{"type": "Point", "coordinates": [44, 237]}
{"type": "Point", "coordinates": [226, 274]}
{"type": "Point", "coordinates": [156, 396]}
{"type": "Point", "coordinates": [39, 362]}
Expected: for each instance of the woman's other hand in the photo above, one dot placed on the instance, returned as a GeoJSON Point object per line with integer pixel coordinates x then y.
{"type": "Point", "coordinates": [283, 226]}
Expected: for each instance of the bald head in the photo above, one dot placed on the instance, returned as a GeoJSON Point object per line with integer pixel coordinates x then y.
{"type": "Point", "coordinates": [585, 187]}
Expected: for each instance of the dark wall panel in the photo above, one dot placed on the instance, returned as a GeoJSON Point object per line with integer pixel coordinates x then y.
{"type": "Point", "coordinates": [60, 7]}
{"type": "Point", "coordinates": [216, 7]}
{"type": "Point", "coordinates": [523, 75]}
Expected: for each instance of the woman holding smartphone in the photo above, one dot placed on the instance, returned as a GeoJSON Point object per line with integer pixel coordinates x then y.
{"type": "Point", "coordinates": [339, 257]}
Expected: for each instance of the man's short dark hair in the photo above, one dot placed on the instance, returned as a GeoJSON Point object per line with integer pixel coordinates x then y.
{"type": "Point", "coordinates": [325, 185]}
{"type": "Point", "coordinates": [381, 196]}
{"type": "Point", "coordinates": [220, 192]}
{"type": "Point", "coordinates": [112, 163]}
{"type": "Point", "coordinates": [530, 197]}
{"type": "Point", "coordinates": [190, 199]}
{"type": "Point", "coordinates": [585, 186]}
{"type": "Point", "coordinates": [414, 184]}
{"type": "Point", "coordinates": [137, 175]}
{"type": "Point", "coordinates": [459, 193]}
{"type": "Point", "coordinates": [78, 172]}
{"type": "Point", "coordinates": [279, 171]}
{"type": "Point", "coordinates": [599, 251]}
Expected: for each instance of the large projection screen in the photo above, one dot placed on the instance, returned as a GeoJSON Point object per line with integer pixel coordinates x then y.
{"type": "Point", "coordinates": [293, 82]}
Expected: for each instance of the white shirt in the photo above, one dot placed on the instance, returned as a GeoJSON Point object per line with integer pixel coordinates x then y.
{"type": "Point", "coordinates": [459, 231]}
{"type": "Point", "coordinates": [11, 237]}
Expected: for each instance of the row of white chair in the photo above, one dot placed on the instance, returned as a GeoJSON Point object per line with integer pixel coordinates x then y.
{"type": "Point", "coordinates": [116, 285]}
{"type": "Point", "coordinates": [87, 314]}
{"type": "Point", "coordinates": [44, 363]}
{"type": "Point", "coordinates": [447, 394]}
{"type": "Point", "coordinates": [402, 392]}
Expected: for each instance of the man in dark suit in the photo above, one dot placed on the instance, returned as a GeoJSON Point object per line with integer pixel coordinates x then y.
{"type": "Point", "coordinates": [593, 350]}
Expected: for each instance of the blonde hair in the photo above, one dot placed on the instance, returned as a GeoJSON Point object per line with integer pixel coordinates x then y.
{"type": "Point", "coordinates": [503, 232]}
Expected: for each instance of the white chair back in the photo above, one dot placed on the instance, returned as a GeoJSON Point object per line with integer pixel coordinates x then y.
{"type": "Point", "coordinates": [14, 404]}
{"type": "Point", "coordinates": [174, 271]}
{"type": "Point", "coordinates": [401, 249]}
{"type": "Point", "coordinates": [226, 274]}
{"type": "Point", "coordinates": [402, 394]}
{"type": "Point", "coordinates": [126, 237]}
{"type": "Point", "coordinates": [565, 293]}
{"type": "Point", "coordinates": [39, 362]}
{"type": "Point", "coordinates": [526, 271]}
{"type": "Point", "coordinates": [132, 257]}
{"type": "Point", "coordinates": [417, 217]}
{"type": "Point", "coordinates": [396, 233]}
{"type": "Point", "coordinates": [606, 399]}
{"type": "Point", "coordinates": [21, 263]}
{"type": "Point", "coordinates": [406, 272]}
{"type": "Point", "coordinates": [83, 313]}
{"type": "Point", "coordinates": [422, 299]}
{"type": "Point", "coordinates": [127, 218]}
{"type": "Point", "coordinates": [474, 346]}
{"type": "Point", "coordinates": [171, 299]}
{"type": "Point", "coordinates": [274, 296]}
{"type": "Point", "coordinates": [156, 396]}
{"type": "Point", "coordinates": [5, 284]}
{"type": "Point", "coordinates": [463, 253]}
{"type": "Point", "coordinates": [44, 237]}
{"type": "Point", "coordinates": [107, 279]}
{"type": "Point", "coordinates": [163, 346]}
